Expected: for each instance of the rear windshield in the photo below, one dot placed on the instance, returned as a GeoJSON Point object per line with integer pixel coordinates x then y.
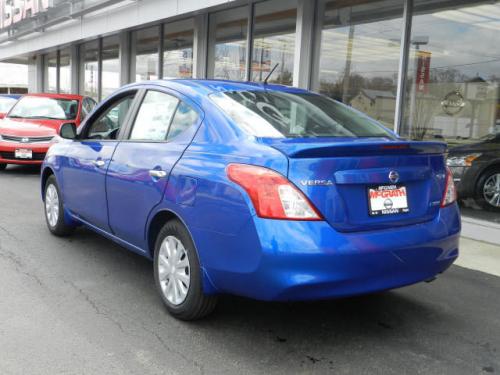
{"type": "Point", "coordinates": [38, 107]}
{"type": "Point", "coordinates": [280, 114]}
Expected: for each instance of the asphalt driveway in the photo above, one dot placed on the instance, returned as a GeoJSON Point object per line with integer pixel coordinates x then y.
{"type": "Point", "coordinates": [83, 305]}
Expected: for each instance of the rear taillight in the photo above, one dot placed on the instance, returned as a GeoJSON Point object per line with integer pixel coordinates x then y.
{"type": "Point", "coordinates": [273, 195]}
{"type": "Point", "coordinates": [450, 192]}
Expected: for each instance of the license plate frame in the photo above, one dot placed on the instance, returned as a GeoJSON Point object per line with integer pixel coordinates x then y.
{"type": "Point", "coordinates": [23, 153]}
{"type": "Point", "coordinates": [387, 200]}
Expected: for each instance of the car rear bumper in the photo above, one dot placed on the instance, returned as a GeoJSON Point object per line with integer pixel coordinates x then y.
{"type": "Point", "coordinates": [310, 260]}
{"type": "Point", "coordinates": [7, 153]}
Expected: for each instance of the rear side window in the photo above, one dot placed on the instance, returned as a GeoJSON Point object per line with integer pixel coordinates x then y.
{"type": "Point", "coordinates": [162, 117]}
{"type": "Point", "coordinates": [278, 114]}
{"type": "Point", "coordinates": [154, 117]}
{"type": "Point", "coordinates": [185, 116]}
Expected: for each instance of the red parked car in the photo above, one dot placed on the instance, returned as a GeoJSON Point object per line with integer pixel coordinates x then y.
{"type": "Point", "coordinates": [28, 130]}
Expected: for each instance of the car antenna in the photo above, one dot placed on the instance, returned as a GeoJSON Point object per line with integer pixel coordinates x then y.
{"type": "Point", "coordinates": [270, 73]}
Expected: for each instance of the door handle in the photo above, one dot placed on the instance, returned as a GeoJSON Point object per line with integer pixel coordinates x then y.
{"type": "Point", "coordinates": [99, 163]}
{"type": "Point", "coordinates": [157, 173]}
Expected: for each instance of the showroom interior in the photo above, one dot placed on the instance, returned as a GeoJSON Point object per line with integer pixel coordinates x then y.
{"type": "Point", "coordinates": [428, 69]}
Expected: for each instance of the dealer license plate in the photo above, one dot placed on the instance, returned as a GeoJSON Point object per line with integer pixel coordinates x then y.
{"type": "Point", "coordinates": [23, 154]}
{"type": "Point", "coordinates": [388, 200]}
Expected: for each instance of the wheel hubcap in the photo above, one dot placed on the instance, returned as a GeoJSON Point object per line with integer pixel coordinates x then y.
{"type": "Point", "coordinates": [491, 190]}
{"type": "Point", "coordinates": [173, 270]}
{"type": "Point", "coordinates": [52, 205]}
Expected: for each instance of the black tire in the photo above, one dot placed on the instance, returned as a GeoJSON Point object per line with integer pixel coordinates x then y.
{"type": "Point", "coordinates": [60, 229]}
{"type": "Point", "coordinates": [2, 167]}
{"type": "Point", "coordinates": [196, 304]}
{"type": "Point", "coordinates": [480, 198]}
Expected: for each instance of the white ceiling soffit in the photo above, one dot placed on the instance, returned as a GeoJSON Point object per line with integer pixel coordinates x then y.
{"type": "Point", "coordinates": [101, 20]}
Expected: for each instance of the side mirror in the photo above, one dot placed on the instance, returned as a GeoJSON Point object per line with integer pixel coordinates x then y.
{"type": "Point", "coordinates": [68, 131]}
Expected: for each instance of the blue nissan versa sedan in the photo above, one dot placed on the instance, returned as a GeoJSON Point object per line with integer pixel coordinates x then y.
{"type": "Point", "coordinates": [263, 191]}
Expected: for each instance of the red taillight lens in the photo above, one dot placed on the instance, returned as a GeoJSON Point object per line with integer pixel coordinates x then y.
{"type": "Point", "coordinates": [450, 192]}
{"type": "Point", "coordinates": [273, 195]}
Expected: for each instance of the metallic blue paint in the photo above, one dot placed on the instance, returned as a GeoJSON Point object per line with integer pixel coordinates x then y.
{"type": "Point", "coordinates": [348, 253]}
{"type": "Point", "coordinates": [84, 183]}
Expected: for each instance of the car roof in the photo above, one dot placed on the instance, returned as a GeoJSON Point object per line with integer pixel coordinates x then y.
{"type": "Point", "coordinates": [13, 96]}
{"type": "Point", "coordinates": [209, 86]}
{"type": "Point", "coordinates": [57, 96]}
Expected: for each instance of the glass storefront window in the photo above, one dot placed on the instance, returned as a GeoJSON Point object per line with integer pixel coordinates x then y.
{"type": "Point", "coordinates": [50, 72]}
{"type": "Point", "coordinates": [145, 48]}
{"type": "Point", "coordinates": [274, 41]}
{"type": "Point", "coordinates": [228, 44]}
{"type": "Point", "coordinates": [110, 65]}
{"type": "Point", "coordinates": [359, 55]}
{"type": "Point", "coordinates": [65, 71]}
{"type": "Point", "coordinates": [453, 95]}
{"type": "Point", "coordinates": [89, 79]}
{"type": "Point", "coordinates": [178, 49]}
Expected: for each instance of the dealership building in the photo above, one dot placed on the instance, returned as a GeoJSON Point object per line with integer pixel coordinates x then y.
{"type": "Point", "coordinates": [429, 69]}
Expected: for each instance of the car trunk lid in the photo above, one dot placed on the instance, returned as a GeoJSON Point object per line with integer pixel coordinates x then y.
{"type": "Point", "coordinates": [341, 176]}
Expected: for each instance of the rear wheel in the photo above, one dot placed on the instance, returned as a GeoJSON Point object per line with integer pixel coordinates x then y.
{"type": "Point", "coordinates": [178, 274]}
{"type": "Point", "coordinates": [488, 190]}
{"type": "Point", "coordinates": [54, 209]}
{"type": "Point", "coordinates": [3, 166]}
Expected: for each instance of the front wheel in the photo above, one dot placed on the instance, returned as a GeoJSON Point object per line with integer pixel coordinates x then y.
{"type": "Point", "coordinates": [178, 274]}
{"type": "Point", "coordinates": [2, 167]}
{"type": "Point", "coordinates": [488, 190]}
{"type": "Point", "coordinates": [54, 209]}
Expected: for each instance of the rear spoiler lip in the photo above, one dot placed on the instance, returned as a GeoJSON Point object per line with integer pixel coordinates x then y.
{"type": "Point", "coordinates": [304, 148]}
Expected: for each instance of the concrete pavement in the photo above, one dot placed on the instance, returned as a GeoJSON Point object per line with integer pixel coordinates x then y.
{"type": "Point", "coordinates": [480, 256]}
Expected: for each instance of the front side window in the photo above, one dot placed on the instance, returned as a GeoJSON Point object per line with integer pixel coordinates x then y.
{"type": "Point", "coordinates": [154, 117]}
{"type": "Point", "coordinates": [85, 111]}
{"type": "Point", "coordinates": [359, 53]}
{"type": "Point", "coordinates": [50, 72]}
{"type": "Point", "coordinates": [34, 107]}
{"type": "Point", "coordinates": [228, 44]}
{"type": "Point", "coordinates": [178, 49]}
{"type": "Point", "coordinates": [89, 70]}
{"type": "Point", "coordinates": [90, 103]}
{"type": "Point", "coordinates": [145, 47]}
{"type": "Point", "coordinates": [452, 90]}
{"type": "Point", "coordinates": [65, 71]}
{"type": "Point", "coordinates": [280, 114]}
{"type": "Point", "coordinates": [87, 107]}
{"type": "Point", "coordinates": [109, 123]}
{"type": "Point", "coordinates": [274, 41]}
{"type": "Point", "coordinates": [110, 55]}
{"type": "Point", "coordinates": [452, 94]}
{"type": "Point", "coordinates": [6, 104]}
